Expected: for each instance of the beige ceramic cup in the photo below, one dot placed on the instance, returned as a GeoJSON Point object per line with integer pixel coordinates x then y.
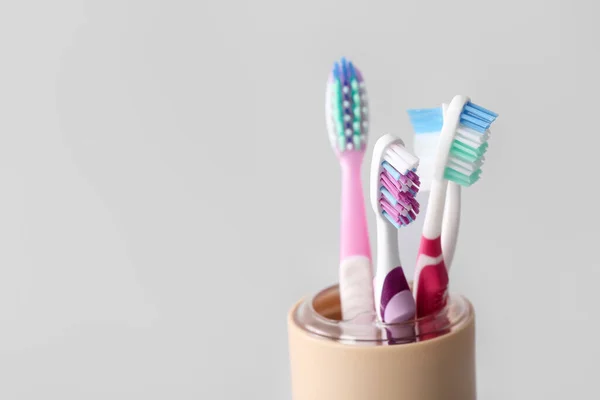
{"type": "Point", "coordinates": [428, 359]}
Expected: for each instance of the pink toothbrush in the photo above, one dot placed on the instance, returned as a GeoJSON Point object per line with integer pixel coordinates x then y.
{"type": "Point", "coordinates": [346, 115]}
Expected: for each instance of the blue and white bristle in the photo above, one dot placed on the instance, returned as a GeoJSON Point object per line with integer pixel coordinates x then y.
{"type": "Point", "coordinates": [470, 142]}
{"type": "Point", "coordinates": [470, 145]}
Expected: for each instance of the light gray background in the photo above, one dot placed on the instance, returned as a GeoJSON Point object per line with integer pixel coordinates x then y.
{"type": "Point", "coordinates": [168, 190]}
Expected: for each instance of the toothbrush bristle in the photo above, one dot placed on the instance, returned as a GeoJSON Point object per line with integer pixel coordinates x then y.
{"type": "Point", "coordinates": [470, 144]}
{"type": "Point", "coordinates": [347, 107]}
{"type": "Point", "coordinates": [399, 184]}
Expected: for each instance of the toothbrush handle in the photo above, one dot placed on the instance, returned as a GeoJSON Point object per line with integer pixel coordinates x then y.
{"type": "Point", "coordinates": [354, 234]}
{"type": "Point", "coordinates": [356, 290]}
{"type": "Point", "coordinates": [431, 290]}
{"type": "Point", "coordinates": [432, 278]}
{"type": "Point", "coordinates": [451, 219]}
{"type": "Point", "coordinates": [397, 303]}
{"type": "Point", "coordinates": [451, 222]}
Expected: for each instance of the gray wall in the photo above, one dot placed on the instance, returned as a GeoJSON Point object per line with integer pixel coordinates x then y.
{"type": "Point", "coordinates": [168, 190]}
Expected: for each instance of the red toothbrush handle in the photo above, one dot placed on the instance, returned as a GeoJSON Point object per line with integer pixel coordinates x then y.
{"type": "Point", "coordinates": [432, 278]}
{"type": "Point", "coordinates": [432, 290]}
{"type": "Point", "coordinates": [431, 287]}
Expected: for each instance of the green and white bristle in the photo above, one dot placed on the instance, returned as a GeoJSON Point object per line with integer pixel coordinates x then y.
{"type": "Point", "coordinates": [346, 108]}
{"type": "Point", "coordinates": [470, 144]}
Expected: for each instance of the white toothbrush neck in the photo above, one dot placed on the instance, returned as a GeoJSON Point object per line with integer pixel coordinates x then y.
{"type": "Point", "coordinates": [432, 227]}
{"type": "Point", "coordinates": [451, 222]}
{"type": "Point", "coordinates": [447, 134]}
{"type": "Point", "coordinates": [388, 255]}
{"type": "Point", "coordinates": [451, 219]}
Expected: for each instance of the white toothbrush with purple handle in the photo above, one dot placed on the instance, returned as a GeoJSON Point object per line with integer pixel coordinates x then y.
{"type": "Point", "coordinates": [394, 185]}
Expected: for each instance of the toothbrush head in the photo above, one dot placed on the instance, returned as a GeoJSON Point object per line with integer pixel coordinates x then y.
{"type": "Point", "coordinates": [470, 143]}
{"type": "Point", "coordinates": [346, 108]}
{"type": "Point", "coordinates": [394, 182]}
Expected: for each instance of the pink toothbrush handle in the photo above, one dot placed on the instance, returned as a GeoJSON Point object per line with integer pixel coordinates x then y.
{"type": "Point", "coordinates": [354, 233]}
{"type": "Point", "coordinates": [433, 278]}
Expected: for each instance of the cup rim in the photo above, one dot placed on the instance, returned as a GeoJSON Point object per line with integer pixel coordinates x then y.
{"type": "Point", "coordinates": [368, 330]}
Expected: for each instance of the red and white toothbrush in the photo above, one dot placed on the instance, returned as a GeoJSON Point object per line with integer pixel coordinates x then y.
{"type": "Point", "coordinates": [461, 146]}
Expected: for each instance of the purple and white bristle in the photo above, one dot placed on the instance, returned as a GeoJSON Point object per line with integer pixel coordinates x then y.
{"type": "Point", "coordinates": [398, 191]}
